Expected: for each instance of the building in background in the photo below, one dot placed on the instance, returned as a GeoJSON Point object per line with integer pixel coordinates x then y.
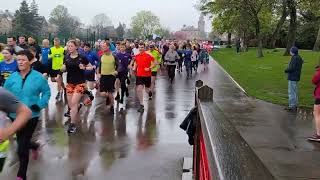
{"type": "Point", "coordinates": [191, 32]}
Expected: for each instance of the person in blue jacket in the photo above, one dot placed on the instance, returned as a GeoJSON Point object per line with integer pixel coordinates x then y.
{"type": "Point", "coordinates": [31, 89]}
{"type": "Point", "coordinates": [187, 60]}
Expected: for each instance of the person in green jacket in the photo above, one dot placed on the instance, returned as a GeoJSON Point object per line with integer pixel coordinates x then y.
{"type": "Point", "coordinates": [157, 56]}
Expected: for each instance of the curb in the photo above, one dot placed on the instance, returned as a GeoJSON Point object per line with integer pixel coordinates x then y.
{"type": "Point", "coordinates": [230, 77]}
{"type": "Point", "coordinates": [187, 169]}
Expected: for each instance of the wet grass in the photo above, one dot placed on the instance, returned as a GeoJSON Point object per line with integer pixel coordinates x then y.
{"type": "Point", "coordinates": [264, 78]}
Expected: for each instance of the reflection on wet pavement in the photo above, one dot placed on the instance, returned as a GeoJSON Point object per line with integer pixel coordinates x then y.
{"type": "Point", "coordinates": [126, 145]}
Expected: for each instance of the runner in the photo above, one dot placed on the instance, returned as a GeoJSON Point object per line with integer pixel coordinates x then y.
{"type": "Point", "coordinates": [194, 59]}
{"type": "Point", "coordinates": [44, 56]}
{"type": "Point", "coordinates": [157, 56]}
{"type": "Point", "coordinates": [144, 62]}
{"type": "Point", "coordinates": [180, 60]}
{"type": "Point", "coordinates": [22, 42]}
{"type": "Point", "coordinates": [107, 73]}
{"type": "Point", "coordinates": [32, 89]}
{"type": "Point", "coordinates": [9, 104]}
{"type": "Point", "coordinates": [1, 55]}
{"type": "Point", "coordinates": [124, 59]}
{"type": "Point", "coordinates": [32, 43]}
{"type": "Point", "coordinates": [187, 60]}
{"type": "Point", "coordinates": [56, 55]}
{"type": "Point", "coordinates": [75, 64]}
{"type": "Point", "coordinates": [94, 61]}
{"type": "Point", "coordinates": [204, 58]}
{"type": "Point", "coordinates": [36, 64]}
{"type": "Point", "coordinates": [8, 66]}
{"type": "Point", "coordinates": [12, 43]}
{"type": "Point", "coordinates": [171, 58]}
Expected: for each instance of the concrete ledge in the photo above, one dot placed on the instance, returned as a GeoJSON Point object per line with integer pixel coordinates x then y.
{"type": "Point", "coordinates": [187, 169]}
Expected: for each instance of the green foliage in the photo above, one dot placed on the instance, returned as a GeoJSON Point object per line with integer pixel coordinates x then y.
{"type": "Point", "coordinates": [144, 24]}
{"type": "Point", "coordinates": [26, 20]}
{"type": "Point", "coordinates": [266, 79]}
{"type": "Point", "coordinates": [65, 23]}
{"type": "Point", "coordinates": [163, 32]}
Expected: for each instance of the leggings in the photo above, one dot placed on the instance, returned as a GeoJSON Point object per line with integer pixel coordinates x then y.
{"type": "Point", "coordinates": [24, 136]}
{"type": "Point", "coordinates": [171, 71]}
{"type": "Point", "coordinates": [123, 77]}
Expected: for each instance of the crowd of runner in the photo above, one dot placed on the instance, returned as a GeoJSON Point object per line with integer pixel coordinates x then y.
{"type": "Point", "coordinates": [106, 66]}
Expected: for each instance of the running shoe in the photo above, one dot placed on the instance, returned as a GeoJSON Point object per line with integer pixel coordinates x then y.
{"type": "Point", "coordinates": [141, 109]}
{"type": "Point", "coordinates": [117, 98]}
{"type": "Point", "coordinates": [67, 114]}
{"type": "Point", "coordinates": [58, 97]}
{"type": "Point", "coordinates": [72, 128]}
{"type": "Point", "coordinates": [150, 95]}
{"type": "Point", "coordinates": [112, 110]}
{"type": "Point", "coordinates": [121, 106]}
{"type": "Point", "coordinates": [19, 178]}
{"type": "Point", "coordinates": [315, 138]}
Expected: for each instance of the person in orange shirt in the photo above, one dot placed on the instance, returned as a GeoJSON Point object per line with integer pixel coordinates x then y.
{"type": "Point", "coordinates": [144, 62]}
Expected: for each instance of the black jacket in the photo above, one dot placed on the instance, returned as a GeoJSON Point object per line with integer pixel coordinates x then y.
{"type": "Point", "coordinates": [189, 124]}
{"type": "Point", "coordinates": [294, 68]}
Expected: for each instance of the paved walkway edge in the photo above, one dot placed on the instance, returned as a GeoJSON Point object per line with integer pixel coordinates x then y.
{"type": "Point", "coordinates": [238, 85]}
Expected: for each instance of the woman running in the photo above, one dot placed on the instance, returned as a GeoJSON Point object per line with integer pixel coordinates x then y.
{"type": "Point", "coordinates": [171, 58]}
{"type": "Point", "coordinates": [75, 65]}
{"type": "Point", "coordinates": [8, 66]}
{"type": "Point", "coordinates": [194, 58]}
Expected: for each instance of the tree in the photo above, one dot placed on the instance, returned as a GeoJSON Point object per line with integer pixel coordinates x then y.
{"type": "Point", "coordinates": [292, 6]}
{"type": "Point", "coordinates": [284, 15]}
{"type": "Point", "coordinates": [120, 30]}
{"type": "Point", "coordinates": [311, 9]}
{"type": "Point", "coordinates": [26, 20]}
{"type": "Point", "coordinates": [65, 23]}
{"type": "Point", "coordinates": [249, 11]}
{"type": "Point", "coordinates": [99, 22]}
{"type": "Point", "coordinates": [163, 32]}
{"type": "Point", "coordinates": [144, 24]}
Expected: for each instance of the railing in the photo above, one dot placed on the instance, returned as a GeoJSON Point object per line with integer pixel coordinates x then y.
{"type": "Point", "coordinates": [220, 153]}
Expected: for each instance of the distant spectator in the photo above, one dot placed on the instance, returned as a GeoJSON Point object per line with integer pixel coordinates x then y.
{"type": "Point", "coordinates": [238, 45]}
{"type": "Point", "coordinates": [294, 73]}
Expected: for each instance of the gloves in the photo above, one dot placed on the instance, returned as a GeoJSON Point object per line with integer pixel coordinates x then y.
{"type": "Point", "coordinates": [35, 108]}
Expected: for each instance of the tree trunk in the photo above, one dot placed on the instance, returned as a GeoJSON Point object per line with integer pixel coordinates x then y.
{"type": "Point", "coordinates": [257, 24]}
{"type": "Point", "coordinates": [292, 27]}
{"type": "Point", "coordinates": [316, 46]}
{"type": "Point", "coordinates": [229, 40]}
{"type": "Point", "coordinates": [275, 34]}
{"type": "Point", "coordinates": [245, 42]}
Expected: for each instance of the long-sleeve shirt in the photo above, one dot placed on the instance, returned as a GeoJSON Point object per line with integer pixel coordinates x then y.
{"type": "Point", "coordinates": [171, 57]}
{"type": "Point", "coordinates": [31, 90]}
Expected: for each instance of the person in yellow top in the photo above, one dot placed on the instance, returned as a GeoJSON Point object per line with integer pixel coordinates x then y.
{"type": "Point", "coordinates": [157, 56]}
{"type": "Point", "coordinates": [1, 55]}
{"type": "Point", "coordinates": [56, 54]}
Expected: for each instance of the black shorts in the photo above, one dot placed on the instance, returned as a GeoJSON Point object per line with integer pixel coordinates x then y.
{"type": "Point", "coordinates": [47, 68]}
{"type": "Point", "coordinates": [317, 102]}
{"type": "Point", "coordinates": [146, 81]}
{"type": "Point", "coordinates": [55, 73]}
{"type": "Point", "coordinates": [90, 76]}
{"type": "Point", "coordinates": [154, 73]}
{"type": "Point", "coordinates": [107, 83]}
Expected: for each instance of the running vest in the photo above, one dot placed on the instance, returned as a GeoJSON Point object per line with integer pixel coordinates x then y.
{"type": "Point", "coordinates": [108, 63]}
{"type": "Point", "coordinates": [57, 55]}
{"type": "Point", "coordinates": [157, 56]}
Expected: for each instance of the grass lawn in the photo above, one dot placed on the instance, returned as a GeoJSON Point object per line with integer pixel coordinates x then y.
{"type": "Point", "coordinates": [264, 78]}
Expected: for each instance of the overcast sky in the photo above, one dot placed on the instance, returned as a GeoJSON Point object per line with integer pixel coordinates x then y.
{"type": "Point", "coordinates": [173, 13]}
